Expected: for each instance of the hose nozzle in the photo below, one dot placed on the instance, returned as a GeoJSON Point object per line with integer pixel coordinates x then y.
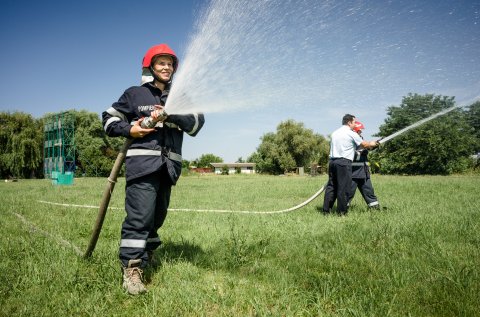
{"type": "Point", "coordinates": [150, 122]}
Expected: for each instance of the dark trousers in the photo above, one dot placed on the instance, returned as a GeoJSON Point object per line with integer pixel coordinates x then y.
{"type": "Point", "coordinates": [366, 189]}
{"type": "Point", "coordinates": [338, 186]}
{"type": "Point", "coordinates": [146, 203]}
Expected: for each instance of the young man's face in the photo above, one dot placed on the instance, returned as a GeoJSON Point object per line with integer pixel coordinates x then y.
{"type": "Point", "coordinates": [163, 68]}
{"type": "Point", "coordinates": [351, 124]}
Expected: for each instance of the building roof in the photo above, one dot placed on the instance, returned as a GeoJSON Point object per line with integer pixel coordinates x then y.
{"type": "Point", "coordinates": [229, 165]}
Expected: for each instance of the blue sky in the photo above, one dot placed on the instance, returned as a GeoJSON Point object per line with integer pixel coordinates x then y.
{"type": "Point", "coordinates": [248, 64]}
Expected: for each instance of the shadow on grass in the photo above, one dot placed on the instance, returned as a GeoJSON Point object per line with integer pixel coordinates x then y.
{"type": "Point", "coordinates": [331, 212]}
{"type": "Point", "coordinates": [352, 208]}
{"type": "Point", "coordinates": [173, 251]}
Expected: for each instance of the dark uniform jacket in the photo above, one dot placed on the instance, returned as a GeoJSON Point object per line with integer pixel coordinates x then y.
{"type": "Point", "coordinates": [360, 169]}
{"type": "Point", "coordinates": [164, 146]}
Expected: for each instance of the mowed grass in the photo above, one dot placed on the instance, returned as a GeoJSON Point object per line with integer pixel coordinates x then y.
{"type": "Point", "coordinates": [419, 257]}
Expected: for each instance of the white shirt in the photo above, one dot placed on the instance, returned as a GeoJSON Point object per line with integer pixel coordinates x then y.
{"type": "Point", "coordinates": [344, 143]}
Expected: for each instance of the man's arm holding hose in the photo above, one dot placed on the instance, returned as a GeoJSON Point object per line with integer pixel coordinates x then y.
{"type": "Point", "coordinates": [370, 145]}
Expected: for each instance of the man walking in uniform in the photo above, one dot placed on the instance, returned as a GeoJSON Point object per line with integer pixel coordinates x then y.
{"type": "Point", "coordinates": [153, 161]}
{"type": "Point", "coordinates": [361, 174]}
{"type": "Point", "coordinates": [343, 144]}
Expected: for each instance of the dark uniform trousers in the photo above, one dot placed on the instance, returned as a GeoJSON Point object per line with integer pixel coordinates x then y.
{"type": "Point", "coordinates": [339, 185]}
{"type": "Point", "coordinates": [361, 179]}
{"type": "Point", "coordinates": [146, 204]}
{"type": "Point", "coordinates": [366, 189]}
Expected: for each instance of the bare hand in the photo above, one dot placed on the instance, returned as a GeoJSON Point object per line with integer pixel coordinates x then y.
{"type": "Point", "coordinates": [374, 144]}
{"type": "Point", "coordinates": [137, 131]}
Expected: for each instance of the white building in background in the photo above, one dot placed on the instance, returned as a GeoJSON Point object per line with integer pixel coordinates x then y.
{"type": "Point", "coordinates": [233, 168]}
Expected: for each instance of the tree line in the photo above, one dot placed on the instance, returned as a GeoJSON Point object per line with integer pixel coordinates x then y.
{"type": "Point", "coordinates": [443, 146]}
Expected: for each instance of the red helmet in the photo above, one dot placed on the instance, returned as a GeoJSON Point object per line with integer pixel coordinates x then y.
{"type": "Point", "coordinates": [161, 49]}
{"type": "Point", "coordinates": [358, 126]}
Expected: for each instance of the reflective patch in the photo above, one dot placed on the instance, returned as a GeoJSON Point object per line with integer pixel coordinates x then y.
{"type": "Point", "coordinates": [109, 121]}
{"type": "Point", "coordinates": [133, 243]}
{"type": "Point", "coordinates": [195, 127]}
{"type": "Point", "coordinates": [113, 112]}
{"type": "Point", "coordinates": [139, 152]}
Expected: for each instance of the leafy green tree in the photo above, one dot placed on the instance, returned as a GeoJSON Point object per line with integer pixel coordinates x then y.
{"type": "Point", "coordinates": [21, 145]}
{"type": "Point", "coordinates": [95, 151]}
{"type": "Point", "coordinates": [186, 164]}
{"type": "Point", "coordinates": [473, 118]}
{"type": "Point", "coordinates": [206, 159]}
{"type": "Point", "coordinates": [290, 147]}
{"type": "Point", "coordinates": [440, 146]}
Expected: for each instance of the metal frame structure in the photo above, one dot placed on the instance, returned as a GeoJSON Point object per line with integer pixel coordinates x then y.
{"type": "Point", "coordinates": [59, 145]}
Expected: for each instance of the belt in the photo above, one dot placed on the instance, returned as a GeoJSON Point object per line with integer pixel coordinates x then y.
{"type": "Point", "coordinates": [339, 158]}
{"type": "Point", "coordinates": [143, 152]}
{"type": "Point", "coordinates": [360, 163]}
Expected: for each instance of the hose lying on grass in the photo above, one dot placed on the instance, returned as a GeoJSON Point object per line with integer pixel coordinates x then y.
{"type": "Point", "coordinates": [78, 252]}
{"type": "Point", "coordinates": [208, 210]}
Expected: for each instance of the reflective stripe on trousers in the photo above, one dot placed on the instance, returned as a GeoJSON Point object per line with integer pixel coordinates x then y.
{"type": "Point", "coordinates": [140, 244]}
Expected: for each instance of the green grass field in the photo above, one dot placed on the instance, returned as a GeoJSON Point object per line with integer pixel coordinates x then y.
{"type": "Point", "coordinates": [419, 257]}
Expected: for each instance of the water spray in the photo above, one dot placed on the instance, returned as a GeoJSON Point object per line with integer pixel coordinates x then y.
{"type": "Point", "coordinates": [417, 124]}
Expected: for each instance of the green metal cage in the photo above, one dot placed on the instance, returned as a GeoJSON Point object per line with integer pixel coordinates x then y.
{"type": "Point", "coordinates": [59, 148]}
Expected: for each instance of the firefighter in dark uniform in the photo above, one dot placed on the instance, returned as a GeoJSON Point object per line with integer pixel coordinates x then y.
{"type": "Point", "coordinates": [153, 161]}
{"type": "Point", "coordinates": [361, 174]}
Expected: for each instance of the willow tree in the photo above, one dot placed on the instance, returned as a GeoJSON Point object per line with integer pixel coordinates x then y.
{"type": "Point", "coordinates": [21, 145]}
{"type": "Point", "coordinates": [290, 147]}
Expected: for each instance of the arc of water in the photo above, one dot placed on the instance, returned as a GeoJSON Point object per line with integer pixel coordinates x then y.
{"type": "Point", "coordinates": [418, 123]}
